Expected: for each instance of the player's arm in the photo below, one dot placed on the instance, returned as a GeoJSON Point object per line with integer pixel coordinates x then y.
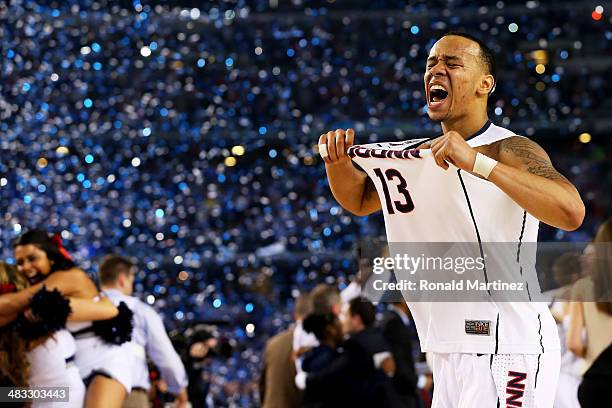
{"type": "Point", "coordinates": [526, 174]}
{"type": "Point", "coordinates": [351, 187]}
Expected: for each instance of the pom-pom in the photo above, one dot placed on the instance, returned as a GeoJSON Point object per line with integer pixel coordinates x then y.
{"type": "Point", "coordinates": [48, 313]}
{"type": "Point", "coordinates": [117, 330]}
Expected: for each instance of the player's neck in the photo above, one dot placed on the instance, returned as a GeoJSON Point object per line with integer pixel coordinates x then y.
{"type": "Point", "coordinates": [465, 126]}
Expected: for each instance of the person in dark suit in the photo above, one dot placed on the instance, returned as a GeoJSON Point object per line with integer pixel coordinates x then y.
{"type": "Point", "coordinates": [276, 386]}
{"type": "Point", "coordinates": [398, 330]}
{"type": "Point", "coordinates": [595, 386]}
{"type": "Point", "coordinates": [360, 375]}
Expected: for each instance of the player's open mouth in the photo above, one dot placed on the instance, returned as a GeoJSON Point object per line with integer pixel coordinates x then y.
{"type": "Point", "coordinates": [437, 95]}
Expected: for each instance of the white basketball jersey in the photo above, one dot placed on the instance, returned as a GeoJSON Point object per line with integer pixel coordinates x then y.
{"type": "Point", "coordinates": [422, 202]}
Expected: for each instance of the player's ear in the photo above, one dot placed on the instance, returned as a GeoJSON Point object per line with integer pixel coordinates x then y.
{"type": "Point", "coordinates": [487, 85]}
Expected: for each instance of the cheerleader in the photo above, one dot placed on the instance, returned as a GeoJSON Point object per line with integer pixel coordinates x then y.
{"type": "Point", "coordinates": [34, 349]}
{"type": "Point", "coordinates": [103, 365]}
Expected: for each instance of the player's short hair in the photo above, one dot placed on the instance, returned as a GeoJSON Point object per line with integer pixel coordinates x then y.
{"type": "Point", "coordinates": [486, 54]}
{"type": "Point", "coordinates": [112, 266]}
{"type": "Point", "coordinates": [324, 297]}
{"type": "Point", "coordinates": [363, 308]}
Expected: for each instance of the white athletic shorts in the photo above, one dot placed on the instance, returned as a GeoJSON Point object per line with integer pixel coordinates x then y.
{"type": "Point", "coordinates": [499, 380]}
{"type": "Point", "coordinates": [51, 366]}
{"type": "Point", "coordinates": [95, 357]}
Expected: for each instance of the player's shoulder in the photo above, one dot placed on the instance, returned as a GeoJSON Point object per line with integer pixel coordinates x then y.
{"type": "Point", "coordinates": [518, 145]}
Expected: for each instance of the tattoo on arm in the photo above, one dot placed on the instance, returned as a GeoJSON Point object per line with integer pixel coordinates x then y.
{"type": "Point", "coordinates": [533, 157]}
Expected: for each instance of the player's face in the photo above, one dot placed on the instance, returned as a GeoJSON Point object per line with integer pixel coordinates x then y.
{"type": "Point", "coordinates": [32, 262]}
{"type": "Point", "coordinates": [452, 77]}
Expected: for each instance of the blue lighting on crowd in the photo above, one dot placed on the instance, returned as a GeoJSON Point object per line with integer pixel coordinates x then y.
{"type": "Point", "coordinates": [232, 178]}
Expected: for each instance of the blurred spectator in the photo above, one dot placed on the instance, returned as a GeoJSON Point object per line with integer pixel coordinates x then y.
{"type": "Point", "coordinates": [328, 331]}
{"type": "Point", "coordinates": [567, 269]}
{"type": "Point", "coordinates": [325, 299]}
{"type": "Point", "coordinates": [400, 333]}
{"type": "Point", "coordinates": [360, 375]}
{"type": "Point", "coordinates": [277, 385]}
{"type": "Point", "coordinates": [592, 312]}
{"type": "Point", "coordinates": [149, 337]}
{"type": "Point", "coordinates": [14, 363]}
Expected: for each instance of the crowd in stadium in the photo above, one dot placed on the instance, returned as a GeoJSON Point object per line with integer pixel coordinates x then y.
{"type": "Point", "coordinates": [184, 138]}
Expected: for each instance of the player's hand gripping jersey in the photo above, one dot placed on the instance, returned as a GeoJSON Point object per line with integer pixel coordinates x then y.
{"type": "Point", "coordinates": [422, 203]}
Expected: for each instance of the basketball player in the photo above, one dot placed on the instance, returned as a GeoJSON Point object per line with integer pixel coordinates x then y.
{"type": "Point", "coordinates": [515, 361]}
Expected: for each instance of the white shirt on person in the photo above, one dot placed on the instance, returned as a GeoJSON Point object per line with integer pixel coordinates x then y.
{"type": "Point", "coordinates": [149, 338]}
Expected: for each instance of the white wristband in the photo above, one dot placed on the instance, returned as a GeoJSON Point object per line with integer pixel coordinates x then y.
{"type": "Point", "coordinates": [483, 165]}
{"type": "Point", "coordinates": [323, 151]}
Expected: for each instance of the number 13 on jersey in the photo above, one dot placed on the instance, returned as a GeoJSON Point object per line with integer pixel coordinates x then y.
{"type": "Point", "coordinates": [405, 204]}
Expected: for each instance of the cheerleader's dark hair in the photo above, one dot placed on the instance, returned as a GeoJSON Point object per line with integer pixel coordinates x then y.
{"type": "Point", "coordinates": [50, 244]}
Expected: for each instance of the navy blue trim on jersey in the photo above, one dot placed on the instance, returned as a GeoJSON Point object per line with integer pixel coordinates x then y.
{"type": "Point", "coordinates": [537, 372]}
{"type": "Point", "coordinates": [497, 334]}
{"type": "Point", "coordinates": [467, 197]}
{"type": "Point", "coordinates": [483, 129]}
{"type": "Point", "coordinates": [518, 252]}
{"type": "Point", "coordinates": [540, 332]}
